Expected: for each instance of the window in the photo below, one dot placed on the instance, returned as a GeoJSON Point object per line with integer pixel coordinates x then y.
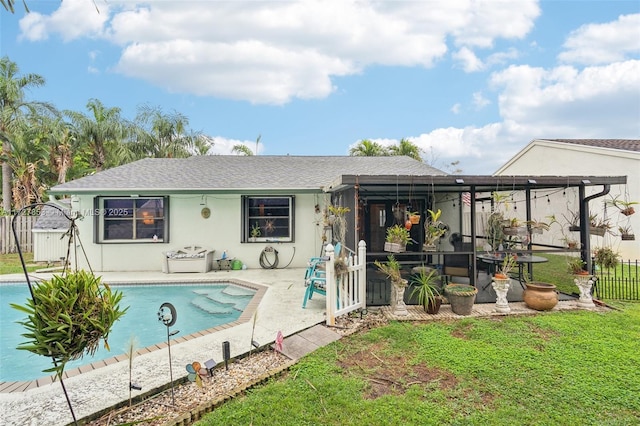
{"type": "Point", "coordinates": [267, 219]}
{"type": "Point", "coordinates": [137, 219]}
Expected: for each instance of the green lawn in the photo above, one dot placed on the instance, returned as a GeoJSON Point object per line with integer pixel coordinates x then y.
{"type": "Point", "coordinates": [564, 368]}
{"type": "Point", "coordinates": [10, 263]}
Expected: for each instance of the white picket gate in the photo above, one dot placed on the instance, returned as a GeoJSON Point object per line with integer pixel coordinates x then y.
{"type": "Point", "coordinates": [349, 290]}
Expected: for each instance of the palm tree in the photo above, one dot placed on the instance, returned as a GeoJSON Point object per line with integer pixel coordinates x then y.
{"type": "Point", "coordinates": [367, 148]}
{"type": "Point", "coordinates": [13, 108]}
{"type": "Point", "coordinates": [26, 161]}
{"type": "Point", "coordinates": [8, 5]}
{"type": "Point", "coordinates": [408, 148]}
{"type": "Point", "coordinates": [101, 134]}
{"type": "Point", "coordinates": [202, 145]}
{"type": "Point", "coordinates": [241, 149]}
{"type": "Point", "coordinates": [163, 135]}
{"type": "Point", "coordinates": [60, 139]}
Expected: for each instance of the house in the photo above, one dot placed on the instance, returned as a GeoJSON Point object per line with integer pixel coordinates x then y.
{"type": "Point", "coordinates": [133, 213]}
{"type": "Point", "coordinates": [587, 157]}
{"type": "Point", "coordinates": [130, 215]}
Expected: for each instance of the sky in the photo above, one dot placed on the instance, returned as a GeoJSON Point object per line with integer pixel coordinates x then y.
{"type": "Point", "coordinates": [467, 81]}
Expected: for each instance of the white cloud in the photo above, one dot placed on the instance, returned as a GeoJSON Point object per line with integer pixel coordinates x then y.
{"type": "Point", "coordinates": [455, 108]}
{"type": "Point", "coordinates": [72, 20]}
{"type": "Point", "coordinates": [224, 146]}
{"type": "Point", "coordinates": [273, 52]}
{"type": "Point", "coordinates": [468, 60]}
{"type": "Point", "coordinates": [568, 102]}
{"type": "Point", "coordinates": [480, 101]}
{"type": "Point", "coordinates": [563, 102]}
{"type": "Point", "coordinates": [603, 43]}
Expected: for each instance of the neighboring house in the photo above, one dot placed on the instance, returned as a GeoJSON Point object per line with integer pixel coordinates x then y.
{"type": "Point", "coordinates": [586, 157]}
{"type": "Point", "coordinates": [133, 213]}
{"type": "Point", "coordinates": [50, 240]}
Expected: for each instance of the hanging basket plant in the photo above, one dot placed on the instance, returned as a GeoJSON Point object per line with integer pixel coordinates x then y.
{"type": "Point", "coordinates": [606, 257]}
{"type": "Point", "coordinates": [626, 233]}
{"type": "Point", "coordinates": [626, 207]}
{"type": "Point", "coordinates": [68, 316]}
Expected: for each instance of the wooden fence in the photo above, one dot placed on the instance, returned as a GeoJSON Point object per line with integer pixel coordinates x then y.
{"type": "Point", "coordinates": [24, 224]}
{"type": "Point", "coordinates": [621, 283]}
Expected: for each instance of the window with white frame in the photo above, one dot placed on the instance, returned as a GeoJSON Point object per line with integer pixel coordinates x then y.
{"type": "Point", "coordinates": [131, 219]}
{"type": "Point", "coordinates": [267, 218]}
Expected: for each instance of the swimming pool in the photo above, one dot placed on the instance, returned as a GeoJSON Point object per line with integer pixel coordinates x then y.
{"type": "Point", "coordinates": [199, 306]}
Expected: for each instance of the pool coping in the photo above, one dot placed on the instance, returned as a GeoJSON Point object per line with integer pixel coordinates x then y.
{"type": "Point", "coordinates": [245, 316]}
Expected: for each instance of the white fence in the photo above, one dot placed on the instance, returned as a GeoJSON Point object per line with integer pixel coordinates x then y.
{"type": "Point", "coordinates": [349, 291]}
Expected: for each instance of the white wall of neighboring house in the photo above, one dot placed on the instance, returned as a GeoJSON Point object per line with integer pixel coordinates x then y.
{"type": "Point", "coordinates": [545, 158]}
{"type": "Point", "coordinates": [221, 231]}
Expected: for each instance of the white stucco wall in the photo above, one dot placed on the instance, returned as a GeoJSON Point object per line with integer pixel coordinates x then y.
{"type": "Point", "coordinates": [221, 231]}
{"type": "Point", "coordinates": [559, 159]}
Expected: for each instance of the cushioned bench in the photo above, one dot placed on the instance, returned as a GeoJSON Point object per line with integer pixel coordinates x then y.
{"type": "Point", "coordinates": [187, 259]}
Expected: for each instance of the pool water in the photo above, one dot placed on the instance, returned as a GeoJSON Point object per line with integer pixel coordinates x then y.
{"type": "Point", "coordinates": [198, 306]}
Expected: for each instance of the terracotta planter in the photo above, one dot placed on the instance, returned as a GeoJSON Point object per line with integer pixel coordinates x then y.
{"type": "Point", "coordinates": [628, 211]}
{"type": "Point", "coordinates": [415, 219]}
{"type": "Point", "coordinates": [540, 296]}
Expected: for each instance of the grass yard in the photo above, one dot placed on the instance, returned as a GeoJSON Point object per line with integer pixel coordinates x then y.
{"type": "Point", "coordinates": [564, 368]}
{"type": "Point", "coordinates": [10, 263]}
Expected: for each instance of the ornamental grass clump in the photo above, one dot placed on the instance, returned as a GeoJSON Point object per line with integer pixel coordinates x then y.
{"type": "Point", "coordinates": [68, 316]}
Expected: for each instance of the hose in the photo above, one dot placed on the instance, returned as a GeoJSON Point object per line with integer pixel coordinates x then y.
{"type": "Point", "coordinates": [266, 263]}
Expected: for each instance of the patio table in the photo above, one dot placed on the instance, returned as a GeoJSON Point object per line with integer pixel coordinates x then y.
{"type": "Point", "coordinates": [521, 260]}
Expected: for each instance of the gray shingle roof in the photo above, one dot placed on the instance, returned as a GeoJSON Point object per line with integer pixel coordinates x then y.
{"type": "Point", "coordinates": [621, 144]}
{"type": "Point", "coordinates": [52, 218]}
{"type": "Point", "coordinates": [218, 172]}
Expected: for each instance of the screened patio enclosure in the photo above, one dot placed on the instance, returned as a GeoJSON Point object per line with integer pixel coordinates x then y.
{"type": "Point", "coordinates": [374, 202]}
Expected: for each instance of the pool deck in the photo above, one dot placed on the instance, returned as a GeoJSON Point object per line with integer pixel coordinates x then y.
{"type": "Point", "coordinates": [94, 389]}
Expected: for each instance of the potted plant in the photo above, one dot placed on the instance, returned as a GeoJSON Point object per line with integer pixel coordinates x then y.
{"type": "Point", "coordinates": [573, 220]}
{"type": "Point", "coordinates": [461, 297]}
{"type": "Point", "coordinates": [625, 207]}
{"type": "Point", "coordinates": [414, 217]}
{"type": "Point", "coordinates": [508, 263]}
{"type": "Point", "coordinates": [496, 222]}
{"type": "Point", "coordinates": [626, 233]}
{"type": "Point", "coordinates": [571, 243]}
{"type": "Point", "coordinates": [391, 268]}
{"type": "Point", "coordinates": [501, 283]}
{"type": "Point", "coordinates": [255, 231]}
{"type": "Point", "coordinates": [537, 227]}
{"type": "Point", "coordinates": [576, 265]}
{"type": "Point", "coordinates": [434, 229]}
{"type": "Point", "coordinates": [397, 239]}
{"type": "Point", "coordinates": [605, 257]}
{"type": "Point", "coordinates": [515, 227]}
{"type": "Point", "coordinates": [598, 226]}
{"type": "Point", "coordinates": [583, 280]}
{"type": "Point", "coordinates": [426, 289]}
